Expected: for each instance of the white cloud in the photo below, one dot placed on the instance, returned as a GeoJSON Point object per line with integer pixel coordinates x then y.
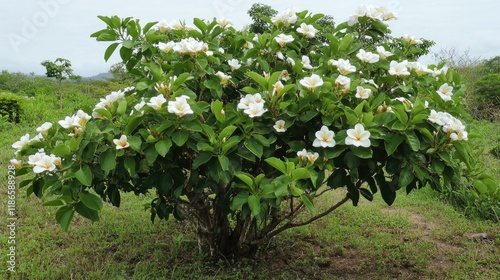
{"type": "Point", "coordinates": [47, 29]}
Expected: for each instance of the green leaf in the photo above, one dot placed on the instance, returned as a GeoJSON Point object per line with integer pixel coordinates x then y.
{"type": "Point", "coordinates": [253, 146]}
{"type": "Point", "coordinates": [392, 141]}
{"type": "Point", "coordinates": [405, 177]}
{"type": "Point", "coordinates": [180, 137]}
{"type": "Point", "coordinates": [388, 193]}
{"type": "Point", "coordinates": [224, 162]}
{"type": "Point", "coordinates": [55, 202]}
{"type": "Point", "coordinates": [203, 157]}
{"type": "Point", "coordinates": [366, 194]}
{"type": "Point", "coordinates": [163, 146]}
{"type": "Point", "coordinates": [135, 143]}
{"type": "Point", "coordinates": [105, 113]}
{"type": "Point", "coordinates": [202, 26]}
{"type": "Point", "coordinates": [84, 176]}
{"type": "Point", "coordinates": [254, 204]}
{"type": "Point", "coordinates": [412, 140]}
{"type": "Point", "coordinates": [277, 164]}
{"type": "Point", "coordinates": [258, 78]}
{"type": "Point", "coordinates": [86, 212]}
{"type": "Point", "coordinates": [90, 200]}
{"type": "Point", "coordinates": [64, 216]}
{"type": "Point", "coordinates": [61, 150]}
{"type": "Point", "coordinates": [129, 165]}
{"type": "Point", "coordinates": [239, 200]}
{"type": "Point", "coordinates": [217, 110]}
{"type": "Point", "coordinates": [132, 124]}
{"type": "Point", "coordinates": [308, 203]}
{"type": "Point", "coordinates": [300, 173]}
{"type": "Point", "coordinates": [227, 132]}
{"type": "Point", "coordinates": [108, 160]}
{"type": "Point", "coordinates": [362, 152]}
{"type": "Point", "coordinates": [246, 178]}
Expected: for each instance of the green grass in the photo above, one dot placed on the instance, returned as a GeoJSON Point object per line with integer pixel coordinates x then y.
{"type": "Point", "coordinates": [419, 237]}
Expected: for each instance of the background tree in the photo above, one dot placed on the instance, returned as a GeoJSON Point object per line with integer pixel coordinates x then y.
{"type": "Point", "coordinates": [491, 66]}
{"type": "Point", "coordinates": [60, 69]}
{"type": "Point", "coordinates": [258, 12]}
{"type": "Point", "coordinates": [120, 73]}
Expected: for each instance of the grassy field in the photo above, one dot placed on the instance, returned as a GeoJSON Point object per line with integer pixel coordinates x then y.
{"type": "Point", "coordinates": [419, 237]}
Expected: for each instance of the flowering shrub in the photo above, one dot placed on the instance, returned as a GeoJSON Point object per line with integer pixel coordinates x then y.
{"type": "Point", "coordinates": [241, 132]}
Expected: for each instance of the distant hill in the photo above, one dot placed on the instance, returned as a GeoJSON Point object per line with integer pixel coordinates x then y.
{"type": "Point", "coordinates": [100, 76]}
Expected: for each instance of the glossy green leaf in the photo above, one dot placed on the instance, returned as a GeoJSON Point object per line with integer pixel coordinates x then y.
{"type": "Point", "coordinates": [64, 215]}
{"type": "Point", "coordinates": [84, 176]}
{"type": "Point", "coordinates": [90, 200]}
{"type": "Point", "coordinates": [163, 146]}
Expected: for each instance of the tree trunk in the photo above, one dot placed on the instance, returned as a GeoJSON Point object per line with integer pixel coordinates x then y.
{"type": "Point", "coordinates": [60, 96]}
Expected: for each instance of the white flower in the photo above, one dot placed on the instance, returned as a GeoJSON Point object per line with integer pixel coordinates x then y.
{"type": "Point", "coordinates": [223, 77]}
{"type": "Point", "coordinates": [459, 135]}
{"type": "Point", "coordinates": [360, 11]}
{"type": "Point", "coordinates": [45, 163]}
{"type": "Point", "coordinates": [302, 154]}
{"type": "Point", "coordinates": [307, 30]}
{"type": "Point", "coordinates": [343, 66]}
{"type": "Point", "coordinates": [445, 92]}
{"type": "Point", "coordinates": [109, 99]}
{"type": "Point", "coordinates": [191, 46]}
{"type": "Point", "coordinates": [324, 138]}
{"type": "Point", "coordinates": [68, 122]}
{"type": "Point", "coordinates": [224, 23]}
{"type": "Point", "coordinates": [280, 56]}
{"type": "Point", "coordinates": [312, 82]}
{"type": "Point", "coordinates": [162, 26]}
{"type": "Point", "coordinates": [81, 118]}
{"type": "Point", "coordinates": [440, 118]}
{"type": "Point", "coordinates": [283, 39]}
{"type": "Point", "coordinates": [44, 127]}
{"type": "Point", "coordinates": [306, 62]}
{"type": "Point", "coordinates": [367, 57]}
{"type": "Point", "coordinates": [37, 138]}
{"type": "Point", "coordinates": [370, 81]}
{"type": "Point", "coordinates": [363, 93]}
{"type": "Point", "coordinates": [166, 47]}
{"type": "Point", "coordinates": [358, 136]}
{"type": "Point", "coordinates": [139, 105]}
{"type": "Point", "coordinates": [121, 143]}
{"type": "Point", "coordinates": [344, 82]}
{"type": "Point", "coordinates": [33, 159]}
{"type": "Point", "coordinates": [245, 101]}
{"type": "Point", "coordinates": [156, 102]}
{"type": "Point", "coordinates": [234, 64]}
{"type": "Point", "coordinates": [16, 163]}
{"type": "Point", "coordinates": [279, 126]}
{"type": "Point", "coordinates": [277, 88]}
{"type": "Point", "coordinates": [22, 142]}
{"type": "Point", "coordinates": [383, 53]}
{"type": "Point", "coordinates": [285, 17]}
{"type": "Point", "coordinates": [398, 68]}
{"type": "Point", "coordinates": [255, 110]}
{"type": "Point", "coordinates": [412, 40]}
{"type": "Point", "coordinates": [180, 107]}
{"type": "Point", "coordinates": [453, 125]}
{"type": "Point", "coordinates": [284, 75]}
{"type": "Point", "coordinates": [290, 61]}
{"type": "Point", "coordinates": [312, 157]}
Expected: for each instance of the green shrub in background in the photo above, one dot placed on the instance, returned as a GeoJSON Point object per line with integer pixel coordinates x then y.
{"type": "Point", "coordinates": [10, 106]}
{"type": "Point", "coordinates": [487, 93]}
{"type": "Point", "coordinates": [241, 132]}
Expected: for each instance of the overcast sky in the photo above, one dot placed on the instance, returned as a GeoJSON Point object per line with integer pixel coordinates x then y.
{"type": "Point", "coordinates": [35, 30]}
